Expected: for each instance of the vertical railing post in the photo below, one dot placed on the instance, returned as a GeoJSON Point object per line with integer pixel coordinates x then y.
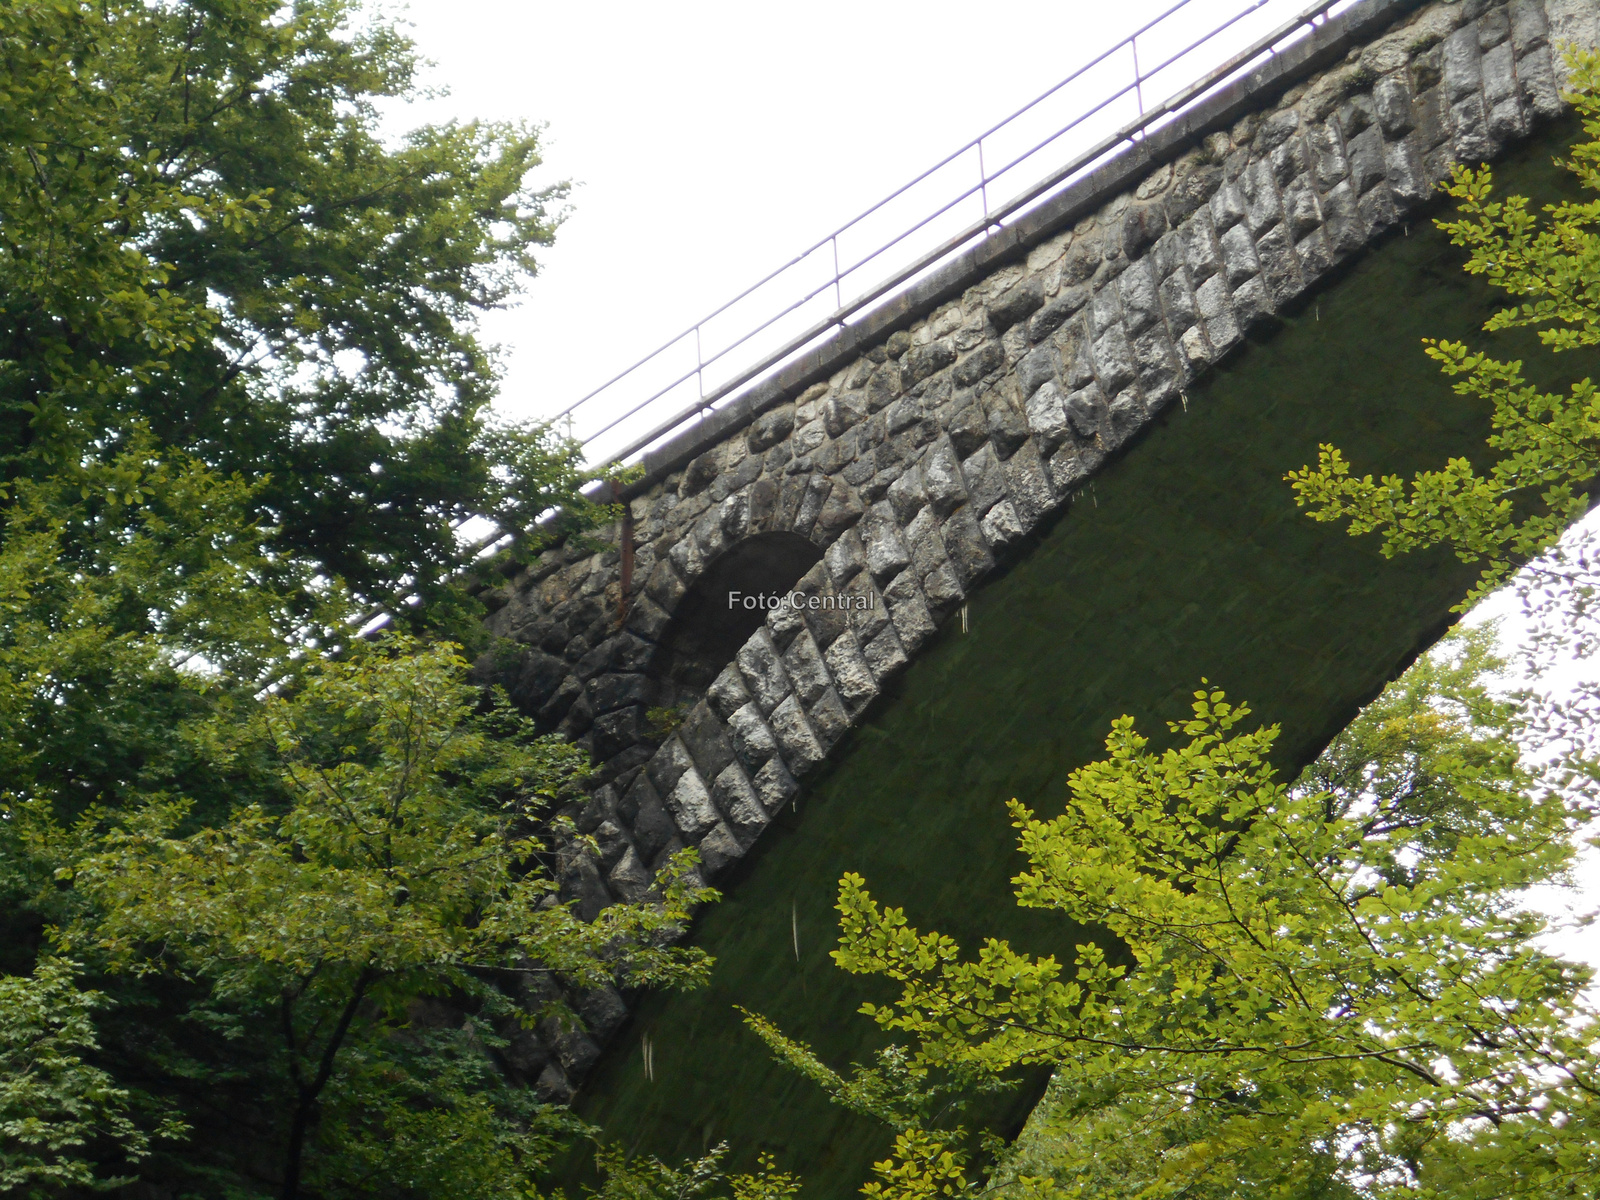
{"type": "Point", "coordinates": [699, 367]}
{"type": "Point", "coordinates": [983, 187]}
{"type": "Point", "coordinates": [838, 296]}
{"type": "Point", "coordinates": [1138, 78]}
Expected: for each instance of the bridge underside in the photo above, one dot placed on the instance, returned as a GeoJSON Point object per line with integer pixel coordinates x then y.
{"type": "Point", "coordinates": [1186, 559]}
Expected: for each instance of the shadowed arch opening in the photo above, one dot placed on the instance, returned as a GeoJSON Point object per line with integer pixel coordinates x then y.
{"type": "Point", "coordinates": [715, 618]}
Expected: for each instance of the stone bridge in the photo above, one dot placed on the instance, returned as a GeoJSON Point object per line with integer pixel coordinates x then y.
{"type": "Point", "coordinates": [879, 486]}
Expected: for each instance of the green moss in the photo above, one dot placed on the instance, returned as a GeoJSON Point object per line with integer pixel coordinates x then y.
{"type": "Point", "coordinates": [1186, 559]}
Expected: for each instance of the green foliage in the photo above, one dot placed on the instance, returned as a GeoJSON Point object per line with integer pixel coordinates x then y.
{"type": "Point", "coordinates": [204, 234]}
{"type": "Point", "coordinates": [1545, 446]}
{"type": "Point", "coordinates": [313, 883]}
{"type": "Point", "coordinates": [401, 865]}
{"type": "Point", "coordinates": [137, 605]}
{"type": "Point", "coordinates": [53, 1103]}
{"type": "Point", "coordinates": [1315, 988]}
{"type": "Point", "coordinates": [648, 1178]}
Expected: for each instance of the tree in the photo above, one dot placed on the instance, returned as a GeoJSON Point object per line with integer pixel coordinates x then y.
{"type": "Point", "coordinates": [406, 863]}
{"type": "Point", "coordinates": [1334, 988]}
{"type": "Point", "coordinates": [1326, 988]}
{"type": "Point", "coordinates": [1545, 446]}
{"type": "Point", "coordinates": [53, 1103]}
{"type": "Point", "coordinates": [206, 236]}
{"type": "Point", "coordinates": [243, 399]}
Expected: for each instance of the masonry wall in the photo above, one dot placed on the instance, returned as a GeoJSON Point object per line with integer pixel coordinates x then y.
{"type": "Point", "coordinates": [918, 467]}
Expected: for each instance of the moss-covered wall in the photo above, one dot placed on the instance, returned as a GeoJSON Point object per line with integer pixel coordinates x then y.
{"type": "Point", "coordinates": [1186, 559]}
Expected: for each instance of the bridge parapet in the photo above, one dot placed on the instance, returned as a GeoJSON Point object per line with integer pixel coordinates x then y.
{"type": "Point", "coordinates": [873, 501]}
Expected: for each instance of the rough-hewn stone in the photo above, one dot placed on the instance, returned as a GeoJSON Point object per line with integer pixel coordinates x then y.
{"type": "Point", "coordinates": [915, 468]}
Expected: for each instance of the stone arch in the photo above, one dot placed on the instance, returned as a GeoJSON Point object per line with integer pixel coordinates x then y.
{"type": "Point", "coordinates": [725, 605]}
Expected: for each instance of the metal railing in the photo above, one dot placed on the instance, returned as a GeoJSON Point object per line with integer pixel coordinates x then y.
{"type": "Point", "coordinates": [1196, 46]}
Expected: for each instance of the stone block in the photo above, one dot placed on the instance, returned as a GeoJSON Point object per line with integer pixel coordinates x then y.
{"type": "Point", "coordinates": [706, 740]}
{"type": "Point", "coordinates": [797, 741]}
{"type": "Point", "coordinates": [1367, 165]}
{"type": "Point", "coordinates": [665, 586]}
{"type": "Point", "coordinates": [1015, 304]}
{"type": "Point", "coordinates": [845, 558]}
{"type": "Point", "coordinates": [653, 827]}
{"type": "Point", "coordinates": [1529, 29]}
{"type": "Point", "coordinates": [736, 796]}
{"type": "Point", "coordinates": [1239, 261]}
{"type": "Point", "coordinates": [852, 676]}
{"type": "Point", "coordinates": [987, 358]}
{"type": "Point", "coordinates": [614, 690]}
{"type": "Point", "coordinates": [927, 547]}
{"type": "Point", "coordinates": [1391, 101]}
{"type": "Point", "coordinates": [770, 428]}
{"type": "Point", "coordinates": [751, 737]}
{"type": "Point", "coordinates": [1057, 312]}
{"type": "Point", "coordinates": [867, 609]}
{"type": "Point", "coordinates": [762, 666]}
{"type": "Point", "coordinates": [884, 654]}
{"type": "Point", "coordinates": [1001, 525]}
{"type": "Point", "coordinates": [1315, 255]}
{"type": "Point", "coordinates": [984, 479]}
{"type": "Point", "coordinates": [1252, 306]}
{"type": "Point", "coordinates": [719, 850]}
{"type": "Point", "coordinates": [648, 619]}
{"type": "Point", "coordinates": [1263, 209]}
{"type": "Point", "coordinates": [1047, 418]}
{"type": "Point", "coordinates": [886, 549]}
{"type": "Point", "coordinates": [841, 510]}
{"type": "Point", "coordinates": [1201, 254]}
{"type": "Point", "coordinates": [1194, 351]}
{"type": "Point", "coordinates": [631, 879]}
{"type": "Point", "coordinates": [829, 720]}
{"type": "Point", "coordinates": [908, 612]}
{"type": "Point", "coordinates": [1137, 286]}
{"type": "Point", "coordinates": [817, 491]}
{"type": "Point", "coordinates": [1125, 416]}
{"type": "Point", "coordinates": [690, 804]}
{"type": "Point", "coordinates": [1461, 56]}
{"type": "Point", "coordinates": [1470, 138]}
{"type": "Point", "coordinates": [1329, 167]}
{"type": "Point", "coordinates": [783, 624]}
{"type": "Point", "coordinates": [774, 786]}
{"type": "Point", "coordinates": [1027, 486]}
{"type": "Point", "coordinates": [1177, 300]}
{"type": "Point", "coordinates": [969, 553]}
{"type": "Point", "coordinates": [923, 361]}
{"type": "Point", "coordinates": [1158, 369]}
{"type": "Point", "coordinates": [907, 495]}
{"type": "Point", "coordinates": [1300, 207]}
{"type": "Point", "coordinates": [1038, 367]}
{"type": "Point", "coordinates": [941, 477]}
{"type": "Point", "coordinates": [942, 589]}
{"type": "Point", "coordinates": [1342, 221]}
{"type": "Point", "coordinates": [803, 662]}
{"type": "Point", "coordinates": [1113, 358]}
{"type": "Point", "coordinates": [1537, 82]}
{"type": "Point", "coordinates": [1085, 411]}
{"type": "Point", "coordinates": [1008, 429]}
{"type": "Point", "coordinates": [1280, 269]}
{"type": "Point", "coordinates": [1227, 207]}
{"type": "Point", "coordinates": [667, 765]}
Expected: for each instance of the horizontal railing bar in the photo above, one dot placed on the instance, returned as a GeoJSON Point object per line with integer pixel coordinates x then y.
{"type": "Point", "coordinates": [860, 305]}
{"type": "Point", "coordinates": [1186, 96]}
{"type": "Point", "coordinates": [894, 195]}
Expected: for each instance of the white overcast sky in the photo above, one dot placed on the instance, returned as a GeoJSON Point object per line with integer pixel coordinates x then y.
{"type": "Point", "coordinates": [710, 141]}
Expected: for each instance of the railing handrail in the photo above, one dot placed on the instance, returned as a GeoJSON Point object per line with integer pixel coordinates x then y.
{"type": "Point", "coordinates": [992, 219]}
